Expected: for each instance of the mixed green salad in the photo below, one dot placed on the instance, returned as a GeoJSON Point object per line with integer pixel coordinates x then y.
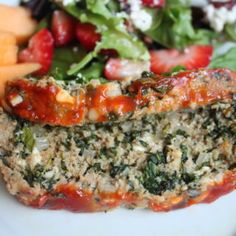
{"type": "Point", "coordinates": [119, 39]}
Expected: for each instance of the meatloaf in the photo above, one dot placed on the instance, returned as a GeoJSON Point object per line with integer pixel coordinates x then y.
{"type": "Point", "coordinates": [182, 154]}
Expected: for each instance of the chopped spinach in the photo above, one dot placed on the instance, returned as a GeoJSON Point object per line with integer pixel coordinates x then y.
{"type": "Point", "coordinates": [157, 182]}
{"type": "Point", "coordinates": [35, 175]}
{"type": "Point", "coordinates": [97, 167]}
{"type": "Point", "coordinates": [132, 135]}
{"type": "Point", "coordinates": [144, 144]}
{"type": "Point", "coordinates": [148, 74]}
{"type": "Point", "coordinates": [184, 151]}
{"type": "Point", "coordinates": [157, 158]}
{"type": "Point", "coordinates": [108, 152]}
{"type": "Point", "coordinates": [187, 177]}
{"type": "Point", "coordinates": [117, 169]}
{"type": "Point", "coordinates": [181, 133]}
{"type": "Point", "coordinates": [161, 89]}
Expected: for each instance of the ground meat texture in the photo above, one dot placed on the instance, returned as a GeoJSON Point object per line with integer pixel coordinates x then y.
{"type": "Point", "coordinates": [154, 158]}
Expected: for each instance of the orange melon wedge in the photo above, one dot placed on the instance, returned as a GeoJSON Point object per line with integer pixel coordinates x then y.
{"type": "Point", "coordinates": [17, 20]}
{"type": "Point", "coordinates": [8, 49]}
{"type": "Point", "coordinates": [15, 71]}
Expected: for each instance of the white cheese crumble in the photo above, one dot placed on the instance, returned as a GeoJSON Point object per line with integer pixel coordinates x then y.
{"type": "Point", "coordinates": [68, 2]}
{"type": "Point", "coordinates": [219, 17]}
{"type": "Point", "coordinates": [139, 16]}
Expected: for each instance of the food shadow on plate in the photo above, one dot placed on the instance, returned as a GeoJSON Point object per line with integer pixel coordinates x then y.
{"type": "Point", "coordinates": [3, 191]}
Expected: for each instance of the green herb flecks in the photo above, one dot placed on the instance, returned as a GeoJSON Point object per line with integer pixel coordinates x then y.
{"type": "Point", "coordinates": [157, 158]}
{"type": "Point", "coordinates": [117, 169]}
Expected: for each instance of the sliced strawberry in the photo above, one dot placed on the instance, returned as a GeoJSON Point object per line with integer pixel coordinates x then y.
{"type": "Point", "coordinates": [153, 3]}
{"type": "Point", "coordinates": [193, 57]}
{"type": "Point", "coordinates": [87, 36]}
{"type": "Point", "coordinates": [120, 69]}
{"type": "Point", "coordinates": [63, 28]}
{"type": "Point", "coordinates": [40, 49]}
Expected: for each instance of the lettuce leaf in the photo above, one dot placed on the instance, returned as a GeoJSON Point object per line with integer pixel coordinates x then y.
{"type": "Point", "coordinates": [175, 29]}
{"type": "Point", "coordinates": [113, 32]}
{"type": "Point", "coordinates": [227, 60]}
{"type": "Point", "coordinates": [230, 31]}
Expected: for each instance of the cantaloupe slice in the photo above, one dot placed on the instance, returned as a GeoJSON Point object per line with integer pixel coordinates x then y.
{"type": "Point", "coordinates": [8, 49]}
{"type": "Point", "coordinates": [17, 20]}
{"type": "Point", "coordinates": [15, 71]}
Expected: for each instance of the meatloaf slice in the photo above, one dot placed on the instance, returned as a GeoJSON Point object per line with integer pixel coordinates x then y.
{"type": "Point", "coordinates": [161, 161]}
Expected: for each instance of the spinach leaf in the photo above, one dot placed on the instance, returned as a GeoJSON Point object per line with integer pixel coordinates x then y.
{"type": "Point", "coordinates": [227, 60]}
{"type": "Point", "coordinates": [63, 59]}
{"type": "Point", "coordinates": [94, 71]}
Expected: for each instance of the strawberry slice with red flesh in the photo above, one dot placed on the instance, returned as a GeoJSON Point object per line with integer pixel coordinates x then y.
{"type": "Point", "coordinates": [153, 3]}
{"type": "Point", "coordinates": [63, 28]}
{"type": "Point", "coordinates": [87, 36]}
{"type": "Point", "coordinates": [193, 57]}
{"type": "Point", "coordinates": [40, 50]}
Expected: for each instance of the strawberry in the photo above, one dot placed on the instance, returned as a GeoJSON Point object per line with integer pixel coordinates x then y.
{"type": "Point", "coordinates": [153, 3]}
{"type": "Point", "coordinates": [193, 57]}
{"type": "Point", "coordinates": [40, 49]}
{"type": "Point", "coordinates": [121, 69]}
{"type": "Point", "coordinates": [63, 28]}
{"type": "Point", "coordinates": [87, 36]}
{"type": "Point", "coordinates": [229, 4]}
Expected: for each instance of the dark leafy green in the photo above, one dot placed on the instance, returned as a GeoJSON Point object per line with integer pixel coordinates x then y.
{"type": "Point", "coordinates": [157, 182]}
{"type": "Point", "coordinates": [227, 60]}
{"type": "Point", "coordinates": [230, 31]}
{"type": "Point", "coordinates": [63, 59]}
{"type": "Point", "coordinates": [173, 27]}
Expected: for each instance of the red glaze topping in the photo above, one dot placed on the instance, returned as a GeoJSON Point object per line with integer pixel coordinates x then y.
{"type": "Point", "coordinates": [39, 103]}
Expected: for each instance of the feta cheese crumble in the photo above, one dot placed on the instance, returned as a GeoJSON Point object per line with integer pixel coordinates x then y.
{"type": "Point", "coordinates": [68, 2]}
{"type": "Point", "coordinates": [139, 16]}
{"type": "Point", "coordinates": [219, 17]}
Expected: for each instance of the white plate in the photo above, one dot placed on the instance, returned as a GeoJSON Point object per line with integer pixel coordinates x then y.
{"type": "Point", "coordinates": [216, 219]}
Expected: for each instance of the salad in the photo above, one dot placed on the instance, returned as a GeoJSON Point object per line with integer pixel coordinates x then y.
{"type": "Point", "coordinates": [120, 39]}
